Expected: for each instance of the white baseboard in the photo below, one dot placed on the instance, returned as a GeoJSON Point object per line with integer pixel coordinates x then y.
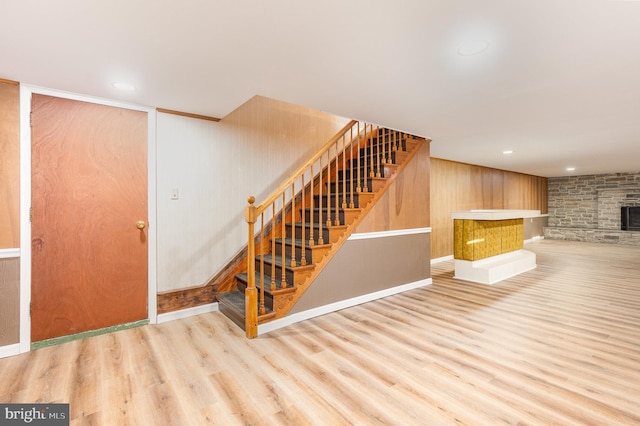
{"type": "Point", "coordinates": [332, 307]}
{"type": "Point", "coordinates": [450, 257]}
{"type": "Point", "coordinates": [9, 350]}
{"type": "Point", "coordinates": [186, 313]}
{"type": "Point", "coordinates": [441, 259]}
{"type": "Point", "coordinates": [494, 269]}
{"type": "Point", "coordinates": [535, 238]}
{"type": "Point", "coordinates": [9, 253]}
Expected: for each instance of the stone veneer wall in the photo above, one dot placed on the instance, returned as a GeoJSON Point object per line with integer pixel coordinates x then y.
{"type": "Point", "coordinates": [587, 208]}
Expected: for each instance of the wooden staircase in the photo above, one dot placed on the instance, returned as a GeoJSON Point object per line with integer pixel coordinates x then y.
{"type": "Point", "coordinates": [298, 236]}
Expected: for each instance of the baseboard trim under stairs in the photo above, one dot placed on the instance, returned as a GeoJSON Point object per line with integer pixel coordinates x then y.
{"type": "Point", "coordinates": [300, 316]}
{"type": "Point", "coordinates": [343, 304]}
{"type": "Point", "coordinates": [9, 350]}
{"type": "Point", "coordinates": [189, 312]}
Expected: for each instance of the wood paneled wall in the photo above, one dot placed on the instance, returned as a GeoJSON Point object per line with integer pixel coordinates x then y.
{"type": "Point", "coordinates": [405, 204]}
{"type": "Point", "coordinates": [9, 301]}
{"type": "Point", "coordinates": [460, 187]}
{"type": "Point", "coordinates": [9, 165]}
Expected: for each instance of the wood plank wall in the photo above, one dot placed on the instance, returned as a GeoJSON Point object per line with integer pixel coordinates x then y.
{"type": "Point", "coordinates": [460, 187]}
{"type": "Point", "coordinates": [9, 301]}
{"type": "Point", "coordinates": [405, 205]}
{"type": "Point", "coordinates": [9, 210]}
{"type": "Point", "coordinates": [9, 165]}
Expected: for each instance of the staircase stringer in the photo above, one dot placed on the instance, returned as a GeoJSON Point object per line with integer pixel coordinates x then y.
{"type": "Point", "coordinates": [286, 302]}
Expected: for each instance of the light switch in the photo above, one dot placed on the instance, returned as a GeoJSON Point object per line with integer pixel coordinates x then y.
{"type": "Point", "coordinates": [175, 194]}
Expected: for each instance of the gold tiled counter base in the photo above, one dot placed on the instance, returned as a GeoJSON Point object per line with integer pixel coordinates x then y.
{"type": "Point", "coordinates": [479, 239]}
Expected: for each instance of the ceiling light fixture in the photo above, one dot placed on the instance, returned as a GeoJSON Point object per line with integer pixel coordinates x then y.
{"type": "Point", "coordinates": [507, 152]}
{"type": "Point", "coordinates": [473, 47]}
{"type": "Point", "coordinates": [124, 86]}
{"type": "Point", "coordinates": [570, 169]}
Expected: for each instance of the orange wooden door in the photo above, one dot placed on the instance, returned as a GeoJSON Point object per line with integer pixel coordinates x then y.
{"type": "Point", "coordinates": [89, 189]}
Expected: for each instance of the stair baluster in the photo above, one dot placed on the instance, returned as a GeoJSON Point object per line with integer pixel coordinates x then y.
{"type": "Point", "coordinates": [293, 236]}
{"type": "Point", "coordinates": [320, 233]}
{"type": "Point", "coordinates": [283, 281]}
{"type": "Point", "coordinates": [273, 246]}
{"type": "Point", "coordinates": [351, 191]}
{"type": "Point", "coordinates": [262, 308]}
{"type": "Point", "coordinates": [368, 148]}
{"type": "Point", "coordinates": [303, 219]}
{"type": "Point", "coordinates": [336, 220]}
{"type": "Point", "coordinates": [311, 241]}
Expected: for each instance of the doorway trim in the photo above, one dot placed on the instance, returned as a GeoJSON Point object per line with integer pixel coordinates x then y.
{"type": "Point", "coordinates": [25, 201]}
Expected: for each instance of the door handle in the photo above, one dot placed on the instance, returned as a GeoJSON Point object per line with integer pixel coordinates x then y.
{"type": "Point", "coordinates": [140, 224]}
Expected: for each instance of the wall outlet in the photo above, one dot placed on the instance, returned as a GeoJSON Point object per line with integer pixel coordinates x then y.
{"type": "Point", "coordinates": [175, 194]}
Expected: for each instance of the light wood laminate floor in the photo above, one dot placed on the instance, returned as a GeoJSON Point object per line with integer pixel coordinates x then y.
{"type": "Point", "coordinates": [556, 345]}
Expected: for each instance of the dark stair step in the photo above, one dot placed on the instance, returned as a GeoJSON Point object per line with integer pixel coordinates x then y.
{"type": "Point", "coordinates": [324, 215]}
{"type": "Point", "coordinates": [401, 144]}
{"type": "Point", "coordinates": [242, 281]}
{"type": "Point", "coordinates": [362, 171]}
{"type": "Point", "coordinates": [351, 187]}
{"type": "Point", "coordinates": [331, 199]}
{"type": "Point", "coordinates": [297, 248]}
{"type": "Point", "coordinates": [280, 264]}
{"type": "Point", "coordinates": [316, 231]}
{"type": "Point", "coordinates": [232, 305]}
{"type": "Point", "coordinates": [366, 152]}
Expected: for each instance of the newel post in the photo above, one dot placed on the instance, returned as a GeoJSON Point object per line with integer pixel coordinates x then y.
{"type": "Point", "coordinates": [251, 294]}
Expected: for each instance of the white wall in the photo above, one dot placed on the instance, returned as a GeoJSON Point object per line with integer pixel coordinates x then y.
{"type": "Point", "coordinates": [189, 160]}
{"type": "Point", "coordinates": [215, 167]}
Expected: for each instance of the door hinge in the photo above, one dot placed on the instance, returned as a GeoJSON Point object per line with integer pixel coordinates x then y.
{"type": "Point", "coordinates": [30, 308]}
{"type": "Point", "coordinates": [31, 119]}
{"type": "Point", "coordinates": [30, 214]}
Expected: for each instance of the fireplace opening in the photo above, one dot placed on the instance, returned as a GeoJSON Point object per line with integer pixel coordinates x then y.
{"type": "Point", "coordinates": [630, 218]}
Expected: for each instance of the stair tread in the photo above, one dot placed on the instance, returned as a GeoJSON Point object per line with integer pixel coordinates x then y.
{"type": "Point", "coordinates": [298, 242]}
{"type": "Point", "coordinates": [324, 209]}
{"type": "Point", "coordinates": [316, 225]}
{"type": "Point", "coordinates": [277, 259]}
{"type": "Point", "coordinates": [267, 278]}
{"type": "Point", "coordinates": [236, 300]}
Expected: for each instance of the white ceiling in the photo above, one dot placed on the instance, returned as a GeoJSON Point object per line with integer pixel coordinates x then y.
{"type": "Point", "coordinates": [558, 84]}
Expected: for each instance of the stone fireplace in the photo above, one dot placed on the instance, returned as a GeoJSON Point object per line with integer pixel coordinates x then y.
{"type": "Point", "coordinates": [610, 203]}
{"type": "Point", "coordinates": [588, 208]}
{"type": "Point", "coordinates": [630, 216]}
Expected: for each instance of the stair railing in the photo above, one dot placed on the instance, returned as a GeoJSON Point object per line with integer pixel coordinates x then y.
{"type": "Point", "coordinates": [337, 164]}
{"type": "Point", "coordinates": [280, 208]}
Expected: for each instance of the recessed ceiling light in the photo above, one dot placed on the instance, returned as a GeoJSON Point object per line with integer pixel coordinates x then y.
{"type": "Point", "coordinates": [507, 152]}
{"type": "Point", "coordinates": [570, 169]}
{"type": "Point", "coordinates": [124, 86]}
{"type": "Point", "coordinates": [472, 47]}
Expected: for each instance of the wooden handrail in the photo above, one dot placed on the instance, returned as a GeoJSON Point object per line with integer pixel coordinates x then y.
{"type": "Point", "coordinates": [276, 194]}
{"type": "Point", "coordinates": [298, 228]}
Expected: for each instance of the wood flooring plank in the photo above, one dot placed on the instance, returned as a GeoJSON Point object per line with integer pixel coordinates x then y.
{"type": "Point", "coordinates": [556, 345]}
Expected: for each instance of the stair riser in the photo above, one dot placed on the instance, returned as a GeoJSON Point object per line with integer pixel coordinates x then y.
{"type": "Point", "coordinates": [373, 160]}
{"type": "Point", "coordinates": [332, 200]}
{"type": "Point", "coordinates": [268, 298]}
{"type": "Point", "coordinates": [346, 174]}
{"type": "Point", "coordinates": [298, 251]}
{"type": "Point", "coordinates": [338, 185]}
{"type": "Point", "coordinates": [232, 314]}
{"type": "Point", "coordinates": [400, 145]}
{"type": "Point", "coordinates": [316, 232]}
{"type": "Point", "coordinates": [267, 272]}
{"type": "Point", "coordinates": [326, 215]}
